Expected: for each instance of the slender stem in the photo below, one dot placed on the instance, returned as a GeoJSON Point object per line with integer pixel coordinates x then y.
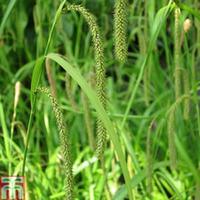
{"type": "Point", "coordinates": [28, 134]}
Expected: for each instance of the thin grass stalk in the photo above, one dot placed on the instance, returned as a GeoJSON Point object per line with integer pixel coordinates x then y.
{"type": "Point", "coordinates": [171, 139]}
{"type": "Point", "coordinates": [70, 95]}
{"type": "Point", "coordinates": [88, 121]}
{"type": "Point", "coordinates": [149, 159]}
{"type": "Point", "coordinates": [146, 86]}
{"type": "Point", "coordinates": [64, 140]}
{"type": "Point", "coordinates": [100, 70]}
{"type": "Point", "coordinates": [50, 77]}
{"type": "Point", "coordinates": [87, 112]}
{"type": "Point", "coordinates": [143, 49]}
{"type": "Point", "coordinates": [120, 30]}
{"type": "Point", "coordinates": [186, 85]}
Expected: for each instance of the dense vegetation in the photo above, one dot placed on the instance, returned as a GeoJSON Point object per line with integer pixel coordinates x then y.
{"type": "Point", "coordinates": [100, 99]}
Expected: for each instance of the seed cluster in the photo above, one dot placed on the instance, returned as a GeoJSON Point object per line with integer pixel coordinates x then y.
{"type": "Point", "coordinates": [120, 30]}
{"type": "Point", "coordinates": [64, 140]}
{"type": "Point", "coordinates": [100, 69]}
{"type": "Point", "coordinates": [177, 54]}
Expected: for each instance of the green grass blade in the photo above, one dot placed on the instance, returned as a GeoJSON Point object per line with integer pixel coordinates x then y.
{"type": "Point", "coordinates": [56, 18]}
{"type": "Point", "coordinates": [6, 15]}
{"type": "Point", "coordinates": [5, 130]}
{"type": "Point", "coordinates": [37, 72]}
{"type": "Point", "coordinates": [160, 19]}
{"type": "Point", "coordinates": [75, 74]}
{"type": "Point", "coordinates": [5, 136]}
{"type": "Point", "coordinates": [38, 66]}
{"type": "Point", "coordinates": [187, 159]}
{"type": "Point", "coordinates": [138, 178]}
{"type": "Point", "coordinates": [190, 10]}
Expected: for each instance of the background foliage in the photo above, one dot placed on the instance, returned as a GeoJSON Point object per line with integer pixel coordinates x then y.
{"type": "Point", "coordinates": [23, 37]}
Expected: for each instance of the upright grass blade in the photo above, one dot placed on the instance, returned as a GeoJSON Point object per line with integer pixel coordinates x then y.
{"type": "Point", "coordinates": [35, 80]}
{"type": "Point", "coordinates": [187, 159]}
{"type": "Point", "coordinates": [160, 19]}
{"type": "Point", "coordinates": [190, 10]}
{"type": "Point", "coordinates": [5, 134]}
{"type": "Point", "coordinates": [57, 16]}
{"type": "Point", "coordinates": [75, 74]}
{"type": "Point", "coordinates": [38, 66]}
{"type": "Point", "coordinates": [36, 72]}
{"type": "Point", "coordinates": [6, 15]}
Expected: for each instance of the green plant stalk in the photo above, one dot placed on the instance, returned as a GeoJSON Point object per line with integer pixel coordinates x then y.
{"type": "Point", "coordinates": [6, 15]}
{"type": "Point", "coordinates": [88, 121]}
{"type": "Point", "coordinates": [186, 84]}
{"type": "Point", "coordinates": [5, 137]}
{"type": "Point", "coordinates": [149, 159]}
{"type": "Point", "coordinates": [142, 44]}
{"type": "Point", "coordinates": [187, 159]}
{"type": "Point", "coordinates": [160, 187]}
{"type": "Point", "coordinates": [166, 176]}
{"type": "Point", "coordinates": [69, 92]}
{"type": "Point", "coordinates": [50, 77]}
{"type": "Point", "coordinates": [28, 134]}
{"type": "Point", "coordinates": [143, 49]}
{"type": "Point", "coordinates": [195, 89]}
{"type": "Point", "coordinates": [190, 10]}
{"type": "Point", "coordinates": [171, 139]}
{"type": "Point", "coordinates": [146, 86]}
{"type": "Point", "coordinates": [137, 179]}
